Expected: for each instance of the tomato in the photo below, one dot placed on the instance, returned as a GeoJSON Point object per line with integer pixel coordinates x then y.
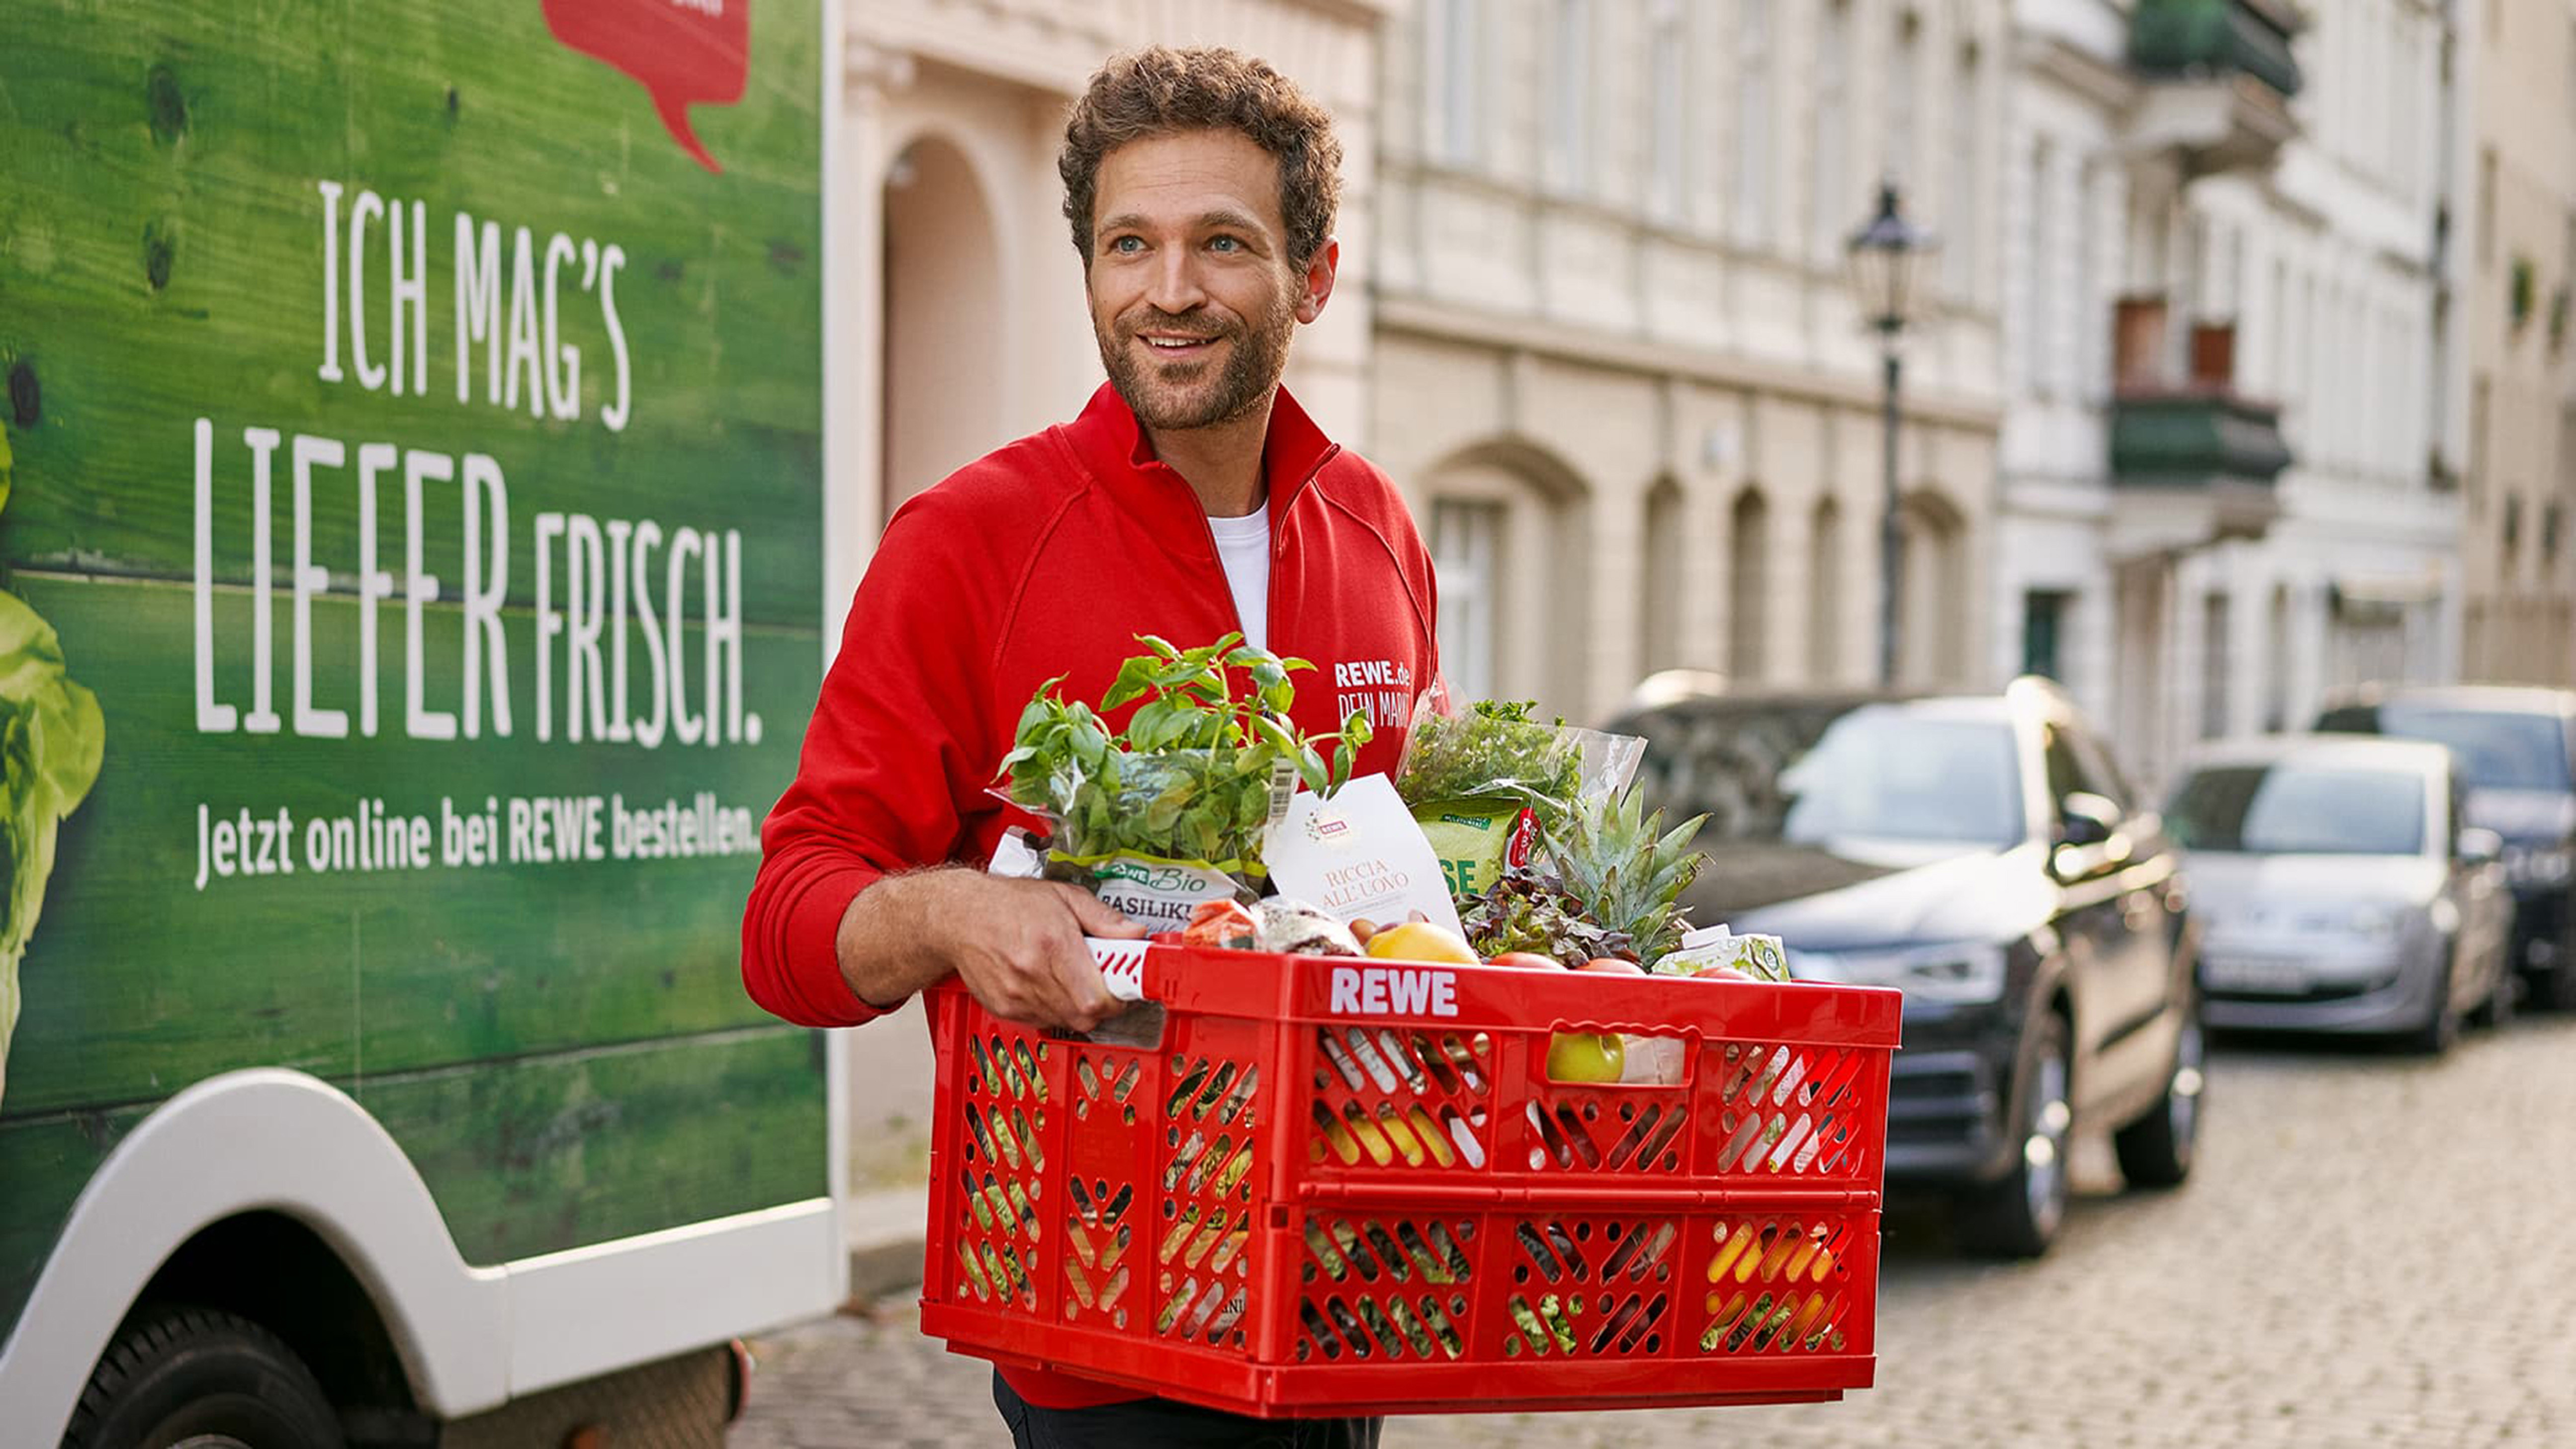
{"type": "Point", "coordinates": [1526, 961]}
{"type": "Point", "coordinates": [1612, 964]}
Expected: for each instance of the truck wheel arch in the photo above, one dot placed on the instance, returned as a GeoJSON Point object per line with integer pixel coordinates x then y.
{"type": "Point", "coordinates": [250, 1142]}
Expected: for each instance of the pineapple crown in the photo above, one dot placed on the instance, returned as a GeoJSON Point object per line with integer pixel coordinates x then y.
{"type": "Point", "coordinates": [1616, 858]}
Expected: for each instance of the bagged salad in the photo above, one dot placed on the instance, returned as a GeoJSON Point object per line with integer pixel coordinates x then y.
{"type": "Point", "coordinates": [1488, 781]}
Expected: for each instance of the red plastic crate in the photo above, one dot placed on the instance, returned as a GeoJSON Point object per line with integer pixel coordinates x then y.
{"type": "Point", "coordinates": [1350, 1187]}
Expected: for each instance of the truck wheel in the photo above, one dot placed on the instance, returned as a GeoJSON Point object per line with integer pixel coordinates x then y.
{"type": "Point", "coordinates": [202, 1378]}
{"type": "Point", "coordinates": [2019, 1216]}
{"type": "Point", "coordinates": [2155, 1150]}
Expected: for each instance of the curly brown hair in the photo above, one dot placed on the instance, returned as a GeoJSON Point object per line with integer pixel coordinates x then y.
{"type": "Point", "coordinates": [1160, 90]}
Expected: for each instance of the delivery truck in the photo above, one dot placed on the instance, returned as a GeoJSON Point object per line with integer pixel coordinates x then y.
{"type": "Point", "coordinates": [411, 585]}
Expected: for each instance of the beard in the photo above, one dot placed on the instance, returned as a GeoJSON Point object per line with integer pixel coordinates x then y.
{"type": "Point", "coordinates": [1176, 396]}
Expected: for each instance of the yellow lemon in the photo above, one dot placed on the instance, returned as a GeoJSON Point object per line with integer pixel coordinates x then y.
{"type": "Point", "coordinates": [1422, 941]}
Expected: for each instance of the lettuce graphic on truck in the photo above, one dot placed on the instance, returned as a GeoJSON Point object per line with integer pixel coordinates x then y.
{"type": "Point", "coordinates": [50, 739]}
{"type": "Point", "coordinates": [411, 578]}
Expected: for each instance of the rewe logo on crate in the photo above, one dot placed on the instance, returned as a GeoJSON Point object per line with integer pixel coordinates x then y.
{"type": "Point", "coordinates": [1393, 991]}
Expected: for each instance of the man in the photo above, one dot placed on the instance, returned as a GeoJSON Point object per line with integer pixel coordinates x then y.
{"type": "Point", "coordinates": [1192, 498]}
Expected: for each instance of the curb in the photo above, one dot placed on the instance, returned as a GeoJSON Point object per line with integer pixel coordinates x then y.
{"type": "Point", "coordinates": [884, 1234]}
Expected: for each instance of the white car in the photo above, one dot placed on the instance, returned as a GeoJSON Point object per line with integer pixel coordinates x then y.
{"type": "Point", "coordinates": [2338, 890]}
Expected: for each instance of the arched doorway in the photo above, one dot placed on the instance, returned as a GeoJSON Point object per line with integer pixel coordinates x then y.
{"type": "Point", "coordinates": [1660, 589]}
{"type": "Point", "coordinates": [1510, 533]}
{"type": "Point", "coordinates": [1932, 635]}
{"type": "Point", "coordinates": [943, 320]}
{"type": "Point", "coordinates": [1748, 586]}
{"type": "Point", "coordinates": [1825, 594]}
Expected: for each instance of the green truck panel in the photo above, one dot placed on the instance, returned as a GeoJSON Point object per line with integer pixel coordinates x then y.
{"type": "Point", "coordinates": [313, 841]}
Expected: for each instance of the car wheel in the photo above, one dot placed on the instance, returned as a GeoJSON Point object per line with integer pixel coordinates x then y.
{"type": "Point", "coordinates": [2155, 1150]}
{"type": "Point", "coordinates": [203, 1379]}
{"type": "Point", "coordinates": [2557, 987]}
{"type": "Point", "coordinates": [2440, 1029]}
{"type": "Point", "coordinates": [2019, 1216]}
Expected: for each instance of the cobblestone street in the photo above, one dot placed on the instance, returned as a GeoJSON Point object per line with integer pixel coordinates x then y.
{"type": "Point", "coordinates": [2373, 1251]}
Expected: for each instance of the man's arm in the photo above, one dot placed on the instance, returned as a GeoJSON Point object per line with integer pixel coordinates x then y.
{"type": "Point", "coordinates": [1016, 944]}
{"type": "Point", "coordinates": [843, 923]}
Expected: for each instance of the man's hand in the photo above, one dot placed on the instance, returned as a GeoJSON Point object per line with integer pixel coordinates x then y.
{"type": "Point", "coordinates": [1016, 944]}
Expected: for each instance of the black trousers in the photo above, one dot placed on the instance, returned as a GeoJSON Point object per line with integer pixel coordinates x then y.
{"type": "Point", "coordinates": [1163, 1424]}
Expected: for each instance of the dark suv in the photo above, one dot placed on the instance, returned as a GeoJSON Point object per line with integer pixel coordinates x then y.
{"type": "Point", "coordinates": [1982, 854]}
{"type": "Point", "coordinates": [2517, 750]}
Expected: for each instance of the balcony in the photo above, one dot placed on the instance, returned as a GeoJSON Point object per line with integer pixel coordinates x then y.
{"type": "Point", "coordinates": [2193, 461]}
{"type": "Point", "coordinates": [2220, 75]}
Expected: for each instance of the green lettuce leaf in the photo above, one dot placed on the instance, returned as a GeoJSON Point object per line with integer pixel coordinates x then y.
{"type": "Point", "coordinates": [52, 740]}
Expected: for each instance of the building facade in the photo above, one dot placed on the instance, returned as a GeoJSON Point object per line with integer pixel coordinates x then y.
{"type": "Point", "coordinates": [2510, 279]}
{"type": "Point", "coordinates": [2222, 495]}
{"type": "Point", "coordinates": [1619, 368]}
{"type": "Point", "coordinates": [958, 321]}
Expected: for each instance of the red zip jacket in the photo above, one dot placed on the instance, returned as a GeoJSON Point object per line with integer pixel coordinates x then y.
{"type": "Point", "coordinates": [1047, 558]}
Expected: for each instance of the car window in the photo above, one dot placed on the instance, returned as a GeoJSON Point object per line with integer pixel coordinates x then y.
{"type": "Point", "coordinates": [1811, 775]}
{"type": "Point", "coordinates": [2099, 767]}
{"type": "Point", "coordinates": [2069, 771]}
{"type": "Point", "coordinates": [2289, 808]}
{"type": "Point", "coordinates": [2498, 749]}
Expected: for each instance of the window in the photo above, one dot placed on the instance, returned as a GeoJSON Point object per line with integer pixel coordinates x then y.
{"type": "Point", "coordinates": [2043, 621]}
{"type": "Point", "coordinates": [2039, 318]}
{"type": "Point", "coordinates": [1450, 76]}
{"type": "Point", "coordinates": [1830, 204]}
{"type": "Point", "coordinates": [1896, 151]}
{"type": "Point", "coordinates": [1668, 160]}
{"type": "Point", "coordinates": [1569, 131]}
{"type": "Point", "coordinates": [2296, 808]}
{"type": "Point", "coordinates": [2213, 667]}
{"type": "Point", "coordinates": [1466, 548]}
{"type": "Point", "coordinates": [2083, 370]}
{"type": "Point", "coordinates": [1825, 592]}
{"type": "Point", "coordinates": [2549, 522]}
{"type": "Point", "coordinates": [2512, 529]}
{"type": "Point", "coordinates": [2486, 206]}
{"type": "Point", "coordinates": [2076, 766]}
{"type": "Point", "coordinates": [1661, 580]}
{"type": "Point", "coordinates": [1747, 588]}
{"type": "Point", "coordinates": [1959, 242]}
{"type": "Point", "coordinates": [1753, 125]}
{"type": "Point", "coordinates": [2481, 402]}
{"type": "Point", "coordinates": [2276, 704]}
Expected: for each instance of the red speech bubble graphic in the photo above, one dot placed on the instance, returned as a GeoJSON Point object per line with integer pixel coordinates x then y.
{"type": "Point", "coordinates": [684, 52]}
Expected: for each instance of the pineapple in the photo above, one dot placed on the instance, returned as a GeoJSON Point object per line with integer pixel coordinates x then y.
{"type": "Point", "coordinates": [1629, 878]}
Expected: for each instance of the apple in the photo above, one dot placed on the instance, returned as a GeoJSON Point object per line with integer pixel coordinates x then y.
{"type": "Point", "coordinates": [1582, 1056]}
{"type": "Point", "coordinates": [1526, 961]}
{"type": "Point", "coordinates": [1612, 964]}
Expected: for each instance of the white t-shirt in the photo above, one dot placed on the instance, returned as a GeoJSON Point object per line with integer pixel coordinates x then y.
{"type": "Point", "coordinates": [1243, 546]}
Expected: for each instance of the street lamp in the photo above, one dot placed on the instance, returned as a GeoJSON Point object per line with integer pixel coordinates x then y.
{"type": "Point", "coordinates": [1884, 254]}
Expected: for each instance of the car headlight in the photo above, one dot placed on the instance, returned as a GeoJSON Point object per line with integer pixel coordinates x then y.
{"type": "Point", "coordinates": [1966, 973]}
{"type": "Point", "coordinates": [2376, 923]}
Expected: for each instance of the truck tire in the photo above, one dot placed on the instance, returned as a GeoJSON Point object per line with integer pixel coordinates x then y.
{"type": "Point", "coordinates": [199, 1376]}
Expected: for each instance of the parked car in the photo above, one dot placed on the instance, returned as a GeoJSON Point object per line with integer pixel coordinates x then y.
{"type": "Point", "coordinates": [2517, 748]}
{"type": "Point", "coordinates": [2338, 889]}
{"type": "Point", "coordinates": [1981, 853]}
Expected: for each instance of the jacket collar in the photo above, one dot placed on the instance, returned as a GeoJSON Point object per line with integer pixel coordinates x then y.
{"type": "Point", "coordinates": [1113, 446]}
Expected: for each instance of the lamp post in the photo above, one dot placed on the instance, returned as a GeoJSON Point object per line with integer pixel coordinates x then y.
{"type": "Point", "coordinates": [1883, 256]}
